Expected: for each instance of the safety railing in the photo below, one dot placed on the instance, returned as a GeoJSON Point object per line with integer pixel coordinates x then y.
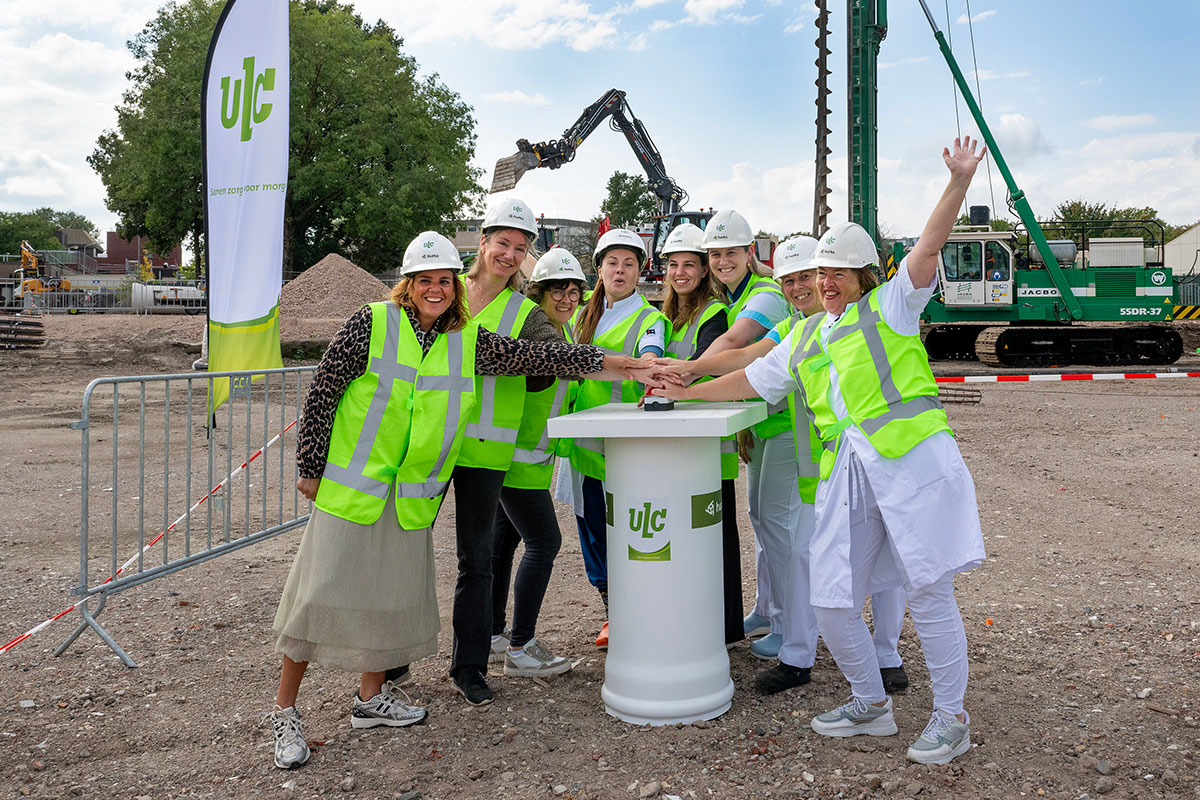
{"type": "Point", "coordinates": [153, 297]}
{"type": "Point", "coordinates": [165, 485]}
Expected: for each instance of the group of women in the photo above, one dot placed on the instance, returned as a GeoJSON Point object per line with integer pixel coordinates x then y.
{"type": "Point", "coordinates": [453, 379]}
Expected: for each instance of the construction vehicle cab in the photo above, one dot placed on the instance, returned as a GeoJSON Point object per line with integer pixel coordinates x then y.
{"type": "Point", "coordinates": [976, 268]}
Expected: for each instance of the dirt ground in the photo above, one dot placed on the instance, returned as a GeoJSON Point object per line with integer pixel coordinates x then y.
{"type": "Point", "coordinates": [1083, 629]}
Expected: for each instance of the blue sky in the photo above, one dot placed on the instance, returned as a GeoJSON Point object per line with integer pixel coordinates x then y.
{"type": "Point", "coordinates": [1088, 99]}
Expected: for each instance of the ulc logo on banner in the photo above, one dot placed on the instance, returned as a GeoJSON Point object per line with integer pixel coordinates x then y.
{"type": "Point", "coordinates": [245, 104]}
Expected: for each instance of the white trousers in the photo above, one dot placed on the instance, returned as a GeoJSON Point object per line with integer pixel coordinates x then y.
{"type": "Point", "coordinates": [771, 485]}
{"type": "Point", "coordinates": [933, 608]}
{"type": "Point", "coordinates": [798, 622]}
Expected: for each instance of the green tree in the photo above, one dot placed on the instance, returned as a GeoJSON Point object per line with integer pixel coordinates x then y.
{"type": "Point", "coordinates": [377, 152]}
{"type": "Point", "coordinates": [67, 219]}
{"type": "Point", "coordinates": [27, 226]}
{"type": "Point", "coordinates": [629, 200]}
{"type": "Point", "coordinates": [1096, 220]}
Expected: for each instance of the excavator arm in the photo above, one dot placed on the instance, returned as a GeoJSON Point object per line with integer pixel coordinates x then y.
{"type": "Point", "coordinates": [556, 152]}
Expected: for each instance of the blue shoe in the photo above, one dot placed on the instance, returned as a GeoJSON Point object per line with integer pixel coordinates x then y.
{"type": "Point", "coordinates": [767, 647]}
{"type": "Point", "coordinates": [754, 625]}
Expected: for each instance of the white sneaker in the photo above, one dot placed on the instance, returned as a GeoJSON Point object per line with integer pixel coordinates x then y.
{"type": "Point", "coordinates": [855, 718]}
{"type": "Point", "coordinates": [392, 707]}
{"type": "Point", "coordinates": [290, 747]}
{"type": "Point", "coordinates": [534, 660]}
{"type": "Point", "coordinates": [500, 646]}
{"type": "Point", "coordinates": [943, 739]}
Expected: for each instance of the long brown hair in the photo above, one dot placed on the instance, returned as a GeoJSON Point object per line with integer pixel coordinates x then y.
{"type": "Point", "coordinates": [514, 280]}
{"type": "Point", "coordinates": [683, 310]}
{"type": "Point", "coordinates": [454, 318]}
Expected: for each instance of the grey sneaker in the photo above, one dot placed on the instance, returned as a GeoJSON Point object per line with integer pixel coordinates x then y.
{"type": "Point", "coordinates": [943, 739]}
{"type": "Point", "coordinates": [392, 707]}
{"type": "Point", "coordinates": [855, 718]}
{"type": "Point", "coordinates": [290, 747]}
{"type": "Point", "coordinates": [535, 660]}
{"type": "Point", "coordinates": [500, 646]}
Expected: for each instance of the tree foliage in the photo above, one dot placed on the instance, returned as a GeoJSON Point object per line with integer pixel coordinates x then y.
{"type": "Point", "coordinates": [629, 200]}
{"type": "Point", "coordinates": [378, 153]}
{"type": "Point", "coordinates": [1096, 220]}
{"type": "Point", "coordinates": [36, 227]}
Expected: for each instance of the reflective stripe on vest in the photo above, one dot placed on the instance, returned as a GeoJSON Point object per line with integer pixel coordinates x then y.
{"type": "Point", "coordinates": [810, 361]}
{"type": "Point", "coordinates": [390, 425]}
{"type": "Point", "coordinates": [455, 384]}
{"type": "Point", "coordinates": [541, 452]}
{"type": "Point", "coordinates": [628, 347]}
{"type": "Point", "coordinates": [684, 347]}
{"type": "Point", "coordinates": [384, 365]}
{"type": "Point", "coordinates": [486, 428]}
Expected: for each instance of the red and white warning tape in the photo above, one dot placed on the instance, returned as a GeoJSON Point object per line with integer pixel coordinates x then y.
{"type": "Point", "coordinates": [46, 623]}
{"type": "Point", "coordinates": [1086, 376]}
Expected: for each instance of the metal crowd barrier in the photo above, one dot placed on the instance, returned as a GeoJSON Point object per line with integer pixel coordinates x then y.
{"type": "Point", "coordinates": [167, 486]}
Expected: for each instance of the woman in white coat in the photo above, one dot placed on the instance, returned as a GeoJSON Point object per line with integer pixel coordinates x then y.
{"type": "Point", "coordinates": [889, 459]}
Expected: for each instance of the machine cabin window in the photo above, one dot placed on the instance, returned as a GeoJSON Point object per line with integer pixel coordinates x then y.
{"type": "Point", "coordinates": [996, 264]}
{"type": "Point", "coordinates": [963, 261]}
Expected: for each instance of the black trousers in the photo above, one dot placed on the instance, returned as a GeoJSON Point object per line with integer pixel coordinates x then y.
{"type": "Point", "coordinates": [524, 515]}
{"type": "Point", "coordinates": [477, 497]}
{"type": "Point", "coordinates": [731, 563]}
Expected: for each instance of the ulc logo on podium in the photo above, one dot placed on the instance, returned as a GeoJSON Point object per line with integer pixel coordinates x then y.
{"type": "Point", "coordinates": [647, 538]}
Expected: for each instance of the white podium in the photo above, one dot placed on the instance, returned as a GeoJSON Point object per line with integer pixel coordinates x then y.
{"type": "Point", "coordinates": [667, 661]}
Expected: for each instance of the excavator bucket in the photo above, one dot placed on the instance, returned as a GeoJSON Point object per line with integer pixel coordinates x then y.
{"type": "Point", "coordinates": [509, 170]}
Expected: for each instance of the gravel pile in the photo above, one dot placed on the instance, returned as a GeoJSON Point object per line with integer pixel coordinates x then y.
{"type": "Point", "coordinates": [333, 288]}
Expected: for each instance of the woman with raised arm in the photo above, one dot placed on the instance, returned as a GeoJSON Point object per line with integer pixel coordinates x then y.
{"type": "Point", "coordinates": [796, 275]}
{"type": "Point", "coordinates": [895, 504]}
{"type": "Point", "coordinates": [381, 431]}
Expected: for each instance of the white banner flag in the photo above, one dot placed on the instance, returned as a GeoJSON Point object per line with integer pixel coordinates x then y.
{"type": "Point", "coordinates": [244, 121]}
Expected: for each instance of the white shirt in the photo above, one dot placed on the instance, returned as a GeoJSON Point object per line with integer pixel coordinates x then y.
{"type": "Point", "coordinates": [932, 474]}
{"type": "Point", "coordinates": [621, 310]}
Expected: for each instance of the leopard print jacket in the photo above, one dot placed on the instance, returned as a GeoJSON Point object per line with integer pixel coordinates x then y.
{"type": "Point", "coordinates": [347, 357]}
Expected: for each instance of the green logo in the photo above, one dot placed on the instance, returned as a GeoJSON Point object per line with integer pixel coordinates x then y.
{"type": "Point", "coordinates": [646, 525]}
{"type": "Point", "coordinates": [428, 244]}
{"type": "Point", "coordinates": [245, 98]}
{"type": "Point", "coordinates": [706, 509]}
{"type": "Point", "coordinates": [791, 247]}
{"type": "Point", "coordinates": [831, 240]}
{"type": "Point", "coordinates": [720, 228]}
{"type": "Point", "coordinates": [518, 209]}
{"type": "Point", "coordinates": [566, 262]}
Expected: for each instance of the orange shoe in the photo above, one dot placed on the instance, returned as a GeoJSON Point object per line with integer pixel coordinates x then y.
{"type": "Point", "coordinates": [602, 639]}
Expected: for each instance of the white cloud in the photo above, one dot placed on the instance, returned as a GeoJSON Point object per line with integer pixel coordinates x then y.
{"type": "Point", "coordinates": [1114, 122]}
{"type": "Point", "coordinates": [1096, 81]}
{"type": "Point", "coordinates": [796, 26]}
{"type": "Point", "coordinates": [1020, 137]}
{"type": "Point", "coordinates": [116, 16]}
{"type": "Point", "coordinates": [902, 62]}
{"type": "Point", "coordinates": [517, 97]}
{"type": "Point", "coordinates": [705, 12]}
{"type": "Point", "coordinates": [991, 75]}
{"type": "Point", "coordinates": [982, 15]}
{"type": "Point", "coordinates": [503, 24]}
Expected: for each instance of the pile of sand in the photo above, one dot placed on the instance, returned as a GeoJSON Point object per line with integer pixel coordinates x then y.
{"type": "Point", "coordinates": [333, 288]}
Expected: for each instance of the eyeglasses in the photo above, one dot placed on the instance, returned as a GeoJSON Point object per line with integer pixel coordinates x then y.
{"type": "Point", "coordinates": [571, 294]}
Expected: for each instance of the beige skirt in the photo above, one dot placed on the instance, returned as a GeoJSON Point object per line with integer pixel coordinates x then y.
{"type": "Point", "coordinates": [359, 598]}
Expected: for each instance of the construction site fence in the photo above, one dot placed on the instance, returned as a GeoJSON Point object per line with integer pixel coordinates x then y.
{"type": "Point", "coordinates": [166, 485]}
{"type": "Point", "coordinates": [151, 297]}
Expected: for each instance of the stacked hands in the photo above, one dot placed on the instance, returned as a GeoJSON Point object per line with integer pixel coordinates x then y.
{"type": "Point", "coordinates": [665, 377]}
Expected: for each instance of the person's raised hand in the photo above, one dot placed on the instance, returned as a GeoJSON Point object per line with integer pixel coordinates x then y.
{"type": "Point", "coordinates": [963, 159]}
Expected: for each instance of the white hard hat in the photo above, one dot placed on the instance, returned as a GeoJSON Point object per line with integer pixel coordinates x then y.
{"type": "Point", "coordinates": [619, 237]}
{"type": "Point", "coordinates": [846, 245]}
{"type": "Point", "coordinates": [794, 255]}
{"type": "Point", "coordinates": [511, 212]}
{"type": "Point", "coordinates": [557, 265]}
{"type": "Point", "coordinates": [685, 238]}
{"type": "Point", "coordinates": [727, 229]}
{"type": "Point", "coordinates": [430, 250]}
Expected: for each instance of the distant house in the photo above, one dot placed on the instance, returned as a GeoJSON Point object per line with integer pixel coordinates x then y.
{"type": "Point", "coordinates": [78, 240]}
{"type": "Point", "coordinates": [1182, 254]}
{"type": "Point", "coordinates": [123, 255]}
